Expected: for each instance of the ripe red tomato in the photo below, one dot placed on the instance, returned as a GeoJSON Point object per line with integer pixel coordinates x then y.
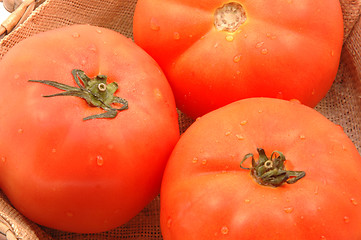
{"type": "Point", "coordinates": [209, 193]}
{"type": "Point", "coordinates": [216, 52]}
{"type": "Point", "coordinates": [83, 175]}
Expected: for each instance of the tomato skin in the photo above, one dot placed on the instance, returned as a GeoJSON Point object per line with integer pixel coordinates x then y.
{"type": "Point", "coordinates": [206, 195]}
{"type": "Point", "coordinates": [275, 53]}
{"type": "Point", "coordinates": [74, 175]}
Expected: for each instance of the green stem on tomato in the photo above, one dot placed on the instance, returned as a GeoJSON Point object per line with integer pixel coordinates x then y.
{"type": "Point", "coordinates": [271, 171]}
{"type": "Point", "coordinates": [96, 92]}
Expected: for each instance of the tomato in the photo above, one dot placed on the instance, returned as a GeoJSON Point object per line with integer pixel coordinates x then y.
{"type": "Point", "coordinates": [216, 52]}
{"type": "Point", "coordinates": [76, 161]}
{"type": "Point", "coordinates": [212, 188]}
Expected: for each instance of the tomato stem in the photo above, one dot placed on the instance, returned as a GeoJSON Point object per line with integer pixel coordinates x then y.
{"type": "Point", "coordinates": [95, 91]}
{"type": "Point", "coordinates": [271, 171]}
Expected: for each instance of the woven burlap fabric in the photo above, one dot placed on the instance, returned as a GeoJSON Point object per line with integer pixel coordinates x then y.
{"type": "Point", "coordinates": [342, 104]}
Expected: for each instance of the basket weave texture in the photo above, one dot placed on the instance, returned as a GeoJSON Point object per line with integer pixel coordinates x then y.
{"type": "Point", "coordinates": [342, 105]}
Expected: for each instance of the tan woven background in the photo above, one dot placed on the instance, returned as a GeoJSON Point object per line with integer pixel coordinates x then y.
{"type": "Point", "coordinates": [342, 105]}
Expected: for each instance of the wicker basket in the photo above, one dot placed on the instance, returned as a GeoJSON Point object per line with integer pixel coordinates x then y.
{"type": "Point", "coordinates": [342, 105]}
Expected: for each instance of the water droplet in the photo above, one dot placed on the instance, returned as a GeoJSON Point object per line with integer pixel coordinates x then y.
{"type": "Point", "coordinates": [279, 95]}
{"type": "Point", "coordinates": [240, 137]}
{"type": "Point", "coordinates": [53, 150]}
{"type": "Point", "coordinates": [224, 230]}
{"type": "Point", "coordinates": [259, 44]}
{"type": "Point", "coordinates": [204, 162]}
{"type": "Point", "coordinates": [332, 53]}
{"type": "Point", "coordinates": [3, 159]}
{"type": "Point", "coordinates": [158, 94]}
{"type": "Point", "coordinates": [302, 137]}
{"type": "Point", "coordinates": [176, 35]}
{"type": "Point", "coordinates": [237, 58]}
{"type": "Point", "coordinates": [245, 35]}
{"type": "Point", "coordinates": [260, 111]}
{"type": "Point", "coordinates": [229, 38]}
{"type": "Point", "coordinates": [288, 209]}
{"type": "Point", "coordinates": [100, 160]}
{"type": "Point", "coordinates": [75, 35]}
{"type": "Point", "coordinates": [354, 201]}
{"type": "Point", "coordinates": [340, 127]}
{"type": "Point", "coordinates": [20, 130]}
{"type": "Point", "coordinates": [323, 238]}
{"type": "Point", "coordinates": [247, 200]}
{"type": "Point", "coordinates": [313, 92]}
{"type": "Point", "coordinates": [244, 122]}
{"type": "Point", "coordinates": [154, 25]}
{"type": "Point", "coordinates": [99, 30]}
{"type": "Point", "coordinates": [195, 160]}
{"type": "Point", "coordinates": [92, 48]}
{"type": "Point", "coordinates": [346, 219]}
{"type": "Point", "coordinates": [302, 217]}
{"type": "Point", "coordinates": [293, 100]}
{"type": "Point", "coordinates": [316, 190]}
{"type": "Point", "coordinates": [169, 222]}
{"type": "Point", "coordinates": [83, 62]}
{"type": "Point", "coordinates": [264, 51]}
{"type": "Point", "coordinates": [69, 214]}
{"type": "Point", "coordinates": [228, 133]}
{"type": "Point", "coordinates": [16, 76]}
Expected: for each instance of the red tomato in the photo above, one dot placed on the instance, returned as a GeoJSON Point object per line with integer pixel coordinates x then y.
{"type": "Point", "coordinates": [215, 52]}
{"type": "Point", "coordinates": [207, 194]}
{"type": "Point", "coordinates": [83, 175]}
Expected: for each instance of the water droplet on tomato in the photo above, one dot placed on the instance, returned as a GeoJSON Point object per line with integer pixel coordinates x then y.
{"type": "Point", "coordinates": [20, 130]}
{"type": "Point", "coordinates": [332, 53]}
{"type": "Point", "coordinates": [169, 222]}
{"type": "Point", "coordinates": [229, 38]}
{"type": "Point", "coordinates": [100, 160]}
{"type": "Point", "coordinates": [239, 137]}
{"type": "Point", "coordinates": [195, 160]}
{"type": "Point", "coordinates": [224, 230]}
{"type": "Point", "coordinates": [16, 76]}
{"type": "Point", "coordinates": [176, 35]}
{"type": "Point", "coordinates": [83, 62]}
{"type": "Point", "coordinates": [99, 30]}
{"type": "Point", "coordinates": [237, 58]}
{"type": "Point", "coordinates": [346, 219]}
{"type": "Point", "coordinates": [158, 94]}
{"type": "Point", "coordinates": [316, 190]}
{"type": "Point", "coordinates": [228, 133]}
{"type": "Point", "coordinates": [323, 238]}
{"type": "Point", "coordinates": [354, 201]}
{"type": "Point", "coordinates": [204, 162]}
{"type": "Point", "coordinates": [264, 51]}
{"type": "Point", "coordinates": [302, 137]}
{"type": "Point", "coordinates": [69, 214]}
{"type": "Point", "coordinates": [247, 200]}
{"type": "Point", "coordinates": [154, 25]}
{"type": "Point", "coordinates": [92, 48]}
{"type": "Point", "coordinates": [244, 122]}
{"type": "Point", "coordinates": [288, 209]}
{"type": "Point", "coordinates": [3, 159]}
{"type": "Point", "coordinates": [279, 95]}
{"type": "Point", "coordinates": [259, 44]}
{"type": "Point", "coordinates": [75, 35]}
{"type": "Point", "coordinates": [53, 150]}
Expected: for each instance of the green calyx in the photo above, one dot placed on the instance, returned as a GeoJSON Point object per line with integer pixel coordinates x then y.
{"type": "Point", "coordinates": [95, 91]}
{"type": "Point", "coordinates": [271, 171]}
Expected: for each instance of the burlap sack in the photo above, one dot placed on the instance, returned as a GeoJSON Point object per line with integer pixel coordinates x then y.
{"type": "Point", "coordinates": [342, 105]}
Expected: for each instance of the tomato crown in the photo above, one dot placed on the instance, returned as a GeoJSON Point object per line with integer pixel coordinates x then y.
{"type": "Point", "coordinates": [95, 91]}
{"type": "Point", "coordinates": [271, 171]}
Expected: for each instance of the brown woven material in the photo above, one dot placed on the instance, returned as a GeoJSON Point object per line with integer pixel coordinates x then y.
{"type": "Point", "coordinates": [342, 104]}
